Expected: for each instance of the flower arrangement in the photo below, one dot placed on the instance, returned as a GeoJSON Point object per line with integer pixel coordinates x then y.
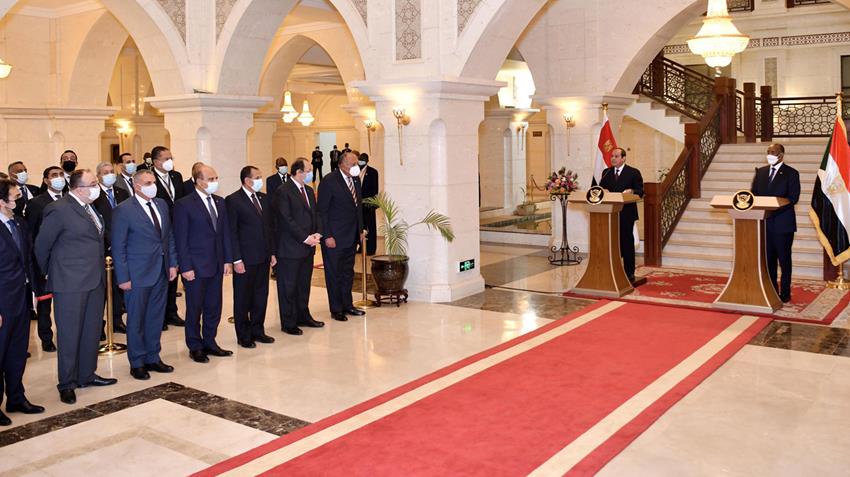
{"type": "Point", "coordinates": [562, 182]}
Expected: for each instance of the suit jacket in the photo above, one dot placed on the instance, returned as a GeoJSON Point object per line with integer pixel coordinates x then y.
{"type": "Point", "coordinates": [294, 221]}
{"type": "Point", "coordinates": [69, 248]}
{"type": "Point", "coordinates": [188, 186]}
{"type": "Point", "coordinates": [122, 184]}
{"type": "Point", "coordinates": [162, 192]}
{"type": "Point", "coordinates": [105, 210]}
{"type": "Point", "coordinates": [630, 178]}
{"type": "Point", "coordinates": [342, 218]}
{"type": "Point", "coordinates": [274, 181]}
{"type": "Point", "coordinates": [334, 154]}
{"type": "Point", "coordinates": [786, 184]}
{"type": "Point", "coordinates": [316, 159]}
{"type": "Point", "coordinates": [21, 204]}
{"type": "Point", "coordinates": [370, 183]}
{"type": "Point", "coordinates": [141, 255]}
{"type": "Point", "coordinates": [251, 237]}
{"type": "Point", "coordinates": [15, 270]}
{"type": "Point", "coordinates": [200, 247]}
{"type": "Point", "coordinates": [35, 212]}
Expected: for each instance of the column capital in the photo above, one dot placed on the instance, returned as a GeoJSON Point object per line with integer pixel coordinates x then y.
{"type": "Point", "coordinates": [405, 90]}
{"type": "Point", "coordinates": [515, 115]}
{"type": "Point", "coordinates": [58, 112]}
{"type": "Point", "coordinates": [568, 102]}
{"type": "Point", "coordinates": [359, 111]}
{"type": "Point", "coordinates": [198, 102]}
{"type": "Point", "coordinates": [267, 117]}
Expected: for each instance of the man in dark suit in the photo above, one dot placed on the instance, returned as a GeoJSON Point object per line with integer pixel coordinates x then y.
{"type": "Point", "coordinates": [15, 275]}
{"type": "Point", "coordinates": [202, 235]}
{"type": "Point", "coordinates": [297, 229]}
{"type": "Point", "coordinates": [281, 176]}
{"type": "Point", "coordinates": [369, 180]}
{"type": "Point", "coordinates": [69, 249]}
{"type": "Point", "coordinates": [621, 177]}
{"type": "Point", "coordinates": [249, 216]}
{"type": "Point", "coordinates": [334, 158]}
{"type": "Point", "coordinates": [145, 260]}
{"type": "Point", "coordinates": [169, 187]}
{"type": "Point", "coordinates": [126, 169]}
{"type": "Point", "coordinates": [18, 173]}
{"type": "Point", "coordinates": [110, 197]}
{"type": "Point", "coordinates": [778, 179]}
{"type": "Point", "coordinates": [68, 162]}
{"type": "Point", "coordinates": [53, 185]}
{"type": "Point", "coordinates": [189, 184]}
{"type": "Point", "coordinates": [317, 162]}
{"type": "Point", "coordinates": [341, 211]}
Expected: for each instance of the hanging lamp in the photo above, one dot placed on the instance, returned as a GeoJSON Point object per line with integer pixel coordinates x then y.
{"type": "Point", "coordinates": [305, 118]}
{"type": "Point", "coordinates": [288, 111]}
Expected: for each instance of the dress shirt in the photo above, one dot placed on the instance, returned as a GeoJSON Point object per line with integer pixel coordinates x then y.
{"type": "Point", "coordinates": [105, 192]}
{"type": "Point", "coordinates": [147, 210]}
{"type": "Point", "coordinates": [250, 193]}
{"type": "Point", "coordinates": [54, 195]}
{"type": "Point", "coordinates": [126, 180]}
{"type": "Point", "coordinates": [204, 196]}
{"type": "Point", "coordinates": [166, 179]}
{"type": "Point", "coordinates": [89, 210]}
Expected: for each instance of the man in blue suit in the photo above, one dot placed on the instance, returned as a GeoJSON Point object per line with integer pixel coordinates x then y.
{"type": "Point", "coordinates": [15, 274]}
{"type": "Point", "coordinates": [145, 261]}
{"type": "Point", "coordinates": [202, 235]}
{"type": "Point", "coordinates": [778, 179]}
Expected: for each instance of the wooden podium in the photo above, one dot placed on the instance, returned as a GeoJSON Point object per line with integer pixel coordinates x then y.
{"type": "Point", "coordinates": [749, 288]}
{"type": "Point", "coordinates": [605, 275]}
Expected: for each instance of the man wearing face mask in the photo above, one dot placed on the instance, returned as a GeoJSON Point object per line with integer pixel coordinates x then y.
{"type": "Point", "coordinates": [53, 185]}
{"type": "Point", "coordinates": [621, 177]}
{"type": "Point", "coordinates": [251, 240]}
{"type": "Point", "coordinates": [202, 235]}
{"type": "Point", "coordinates": [279, 177]}
{"type": "Point", "coordinates": [68, 162]}
{"type": "Point", "coordinates": [145, 260]}
{"type": "Point", "coordinates": [169, 187]}
{"type": "Point", "coordinates": [341, 212]}
{"type": "Point", "coordinates": [110, 197]}
{"type": "Point", "coordinates": [18, 173]}
{"type": "Point", "coordinates": [369, 181]}
{"type": "Point", "coordinates": [317, 162]}
{"type": "Point", "coordinates": [778, 179]}
{"type": "Point", "coordinates": [189, 184]}
{"type": "Point", "coordinates": [335, 153]}
{"type": "Point", "coordinates": [126, 167]}
{"type": "Point", "coordinates": [73, 228]}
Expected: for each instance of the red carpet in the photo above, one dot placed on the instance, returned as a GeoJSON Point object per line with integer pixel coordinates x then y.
{"type": "Point", "coordinates": [563, 399]}
{"type": "Point", "coordinates": [811, 301]}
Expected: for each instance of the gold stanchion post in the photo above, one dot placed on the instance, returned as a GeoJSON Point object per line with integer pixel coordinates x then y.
{"type": "Point", "coordinates": [364, 302]}
{"type": "Point", "coordinates": [840, 282]}
{"type": "Point", "coordinates": [111, 348]}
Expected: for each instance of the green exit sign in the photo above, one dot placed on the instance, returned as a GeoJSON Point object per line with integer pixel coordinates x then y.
{"type": "Point", "coordinates": [467, 265]}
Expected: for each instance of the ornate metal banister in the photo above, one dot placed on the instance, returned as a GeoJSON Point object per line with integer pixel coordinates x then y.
{"type": "Point", "coordinates": [678, 87]}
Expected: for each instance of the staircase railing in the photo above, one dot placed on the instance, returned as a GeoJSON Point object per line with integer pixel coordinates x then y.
{"type": "Point", "coordinates": [678, 87]}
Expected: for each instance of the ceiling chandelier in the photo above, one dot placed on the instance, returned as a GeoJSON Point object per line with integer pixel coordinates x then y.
{"type": "Point", "coordinates": [718, 40]}
{"type": "Point", "coordinates": [288, 111]}
{"type": "Point", "coordinates": [305, 118]}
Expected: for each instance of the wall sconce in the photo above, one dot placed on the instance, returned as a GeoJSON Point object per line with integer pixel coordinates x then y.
{"type": "Point", "coordinates": [569, 123]}
{"type": "Point", "coordinates": [402, 119]}
{"type": "Point", "coordinates": [371, 126]}
{"type": "Point", "coordinates": [520, 135]}
{"type": "Point", "coordinates": [5, 69]}
{"type": "Point", "coordinates": [124, 129]}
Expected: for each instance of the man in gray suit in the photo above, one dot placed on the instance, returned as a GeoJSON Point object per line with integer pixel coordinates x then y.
{"type": "Point", "coordinates": [69, 250]}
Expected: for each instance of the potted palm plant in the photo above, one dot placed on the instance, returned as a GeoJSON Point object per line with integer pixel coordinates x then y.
{"type": "Point", "coordinates": [390, 270]}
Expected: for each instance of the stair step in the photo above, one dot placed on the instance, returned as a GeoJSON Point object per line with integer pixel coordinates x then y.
{"type": "Point", "coordinates": [716, 257]}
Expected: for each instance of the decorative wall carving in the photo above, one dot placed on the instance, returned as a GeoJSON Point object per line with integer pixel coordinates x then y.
{"type": "Point", "coordinates": [360, 5]}
{"type": "Point", "coordinates": [222, 11]}
{"type": "Point", "coordinates": [465, 9]}
{"type": "Point", "coordinates": [775, 41]}
{"type": "Point", "coordinates": [771, 76]}
{"type": "Point", "coordinates": [176, 10]}
{"type": "Point", "coordinates": [408, 29]}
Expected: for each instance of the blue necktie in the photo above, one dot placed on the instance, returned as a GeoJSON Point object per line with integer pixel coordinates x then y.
{"type": "Point", "coordinates": [111, 198]}
{"type": "Point", "coordinates": [13, 229]}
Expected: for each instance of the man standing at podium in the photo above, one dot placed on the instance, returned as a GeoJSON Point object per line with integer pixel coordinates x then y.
{"type": "Point", "coordinates": [623, 178]}
{"type": "Point", "coordinates": [778, 179]}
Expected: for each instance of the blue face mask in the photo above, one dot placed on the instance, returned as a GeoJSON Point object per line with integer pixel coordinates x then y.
{"type": "Point", "coordinates": [308, 177]}
{"type": "Point", "coordinates": [130, 168]}
{"type": "Point", "coordinates": [58, 183]}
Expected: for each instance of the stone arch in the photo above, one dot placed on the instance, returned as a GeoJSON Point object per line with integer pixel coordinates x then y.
{"type": "Point", "coordinates": [92, 71]}
{"type": "Point", "coordinates": [248, 33]}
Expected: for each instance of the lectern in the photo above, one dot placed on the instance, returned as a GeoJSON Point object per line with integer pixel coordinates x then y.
{"type": "Point", "coordinates": [749, 288]}
{"type": "Point", "coordinates": [605, 275]}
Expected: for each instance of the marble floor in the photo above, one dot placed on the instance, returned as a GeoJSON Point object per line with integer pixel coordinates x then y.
{"type": "Point", "coordinates": [778, 407]}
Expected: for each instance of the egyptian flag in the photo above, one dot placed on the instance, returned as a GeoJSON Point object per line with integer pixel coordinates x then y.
{"type": "Point", "coordinates": [830, 199]}
{"type": "Point", "coordinates": [605, 146]}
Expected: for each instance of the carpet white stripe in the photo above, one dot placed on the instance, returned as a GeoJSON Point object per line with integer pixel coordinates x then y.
{"type": "Point", "coordinates": [302, 446]}
{"type": "Point", "coordinates": [577, 450]}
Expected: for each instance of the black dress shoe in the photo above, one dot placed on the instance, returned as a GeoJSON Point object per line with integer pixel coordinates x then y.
{"type": "Point", "coordinates": [99, 381]}
{"type": "Point", "coordinates": [119, 328]}
{"type": "Point", "coordinates": [311, 323]}
{"type": "Point", "coordinates": [102, 336]}
{"type": "Point", "coordinates": [48, 346]}
{"type": "Point", "coordinates": [264, 339]}
{"type": "Point", "coordinates": [29, 355]}
{"type": "Point", "coordinates": [339, 316]}
{"type": "Point", "coordinates": [785, 298]}
{"type": "Point", "coordinates": [141, 374]}
{"type": "Point", "coordinates": [354, 312]}
{"type": "Point", "coordinates": [68, 396]}
{"type": "Point", "coordinates": [164, 326]}
{"type": "Point", "coordinates": [247, 344]}
{"type": "Point", "coordinates": [221, 353]}
{"type": "Point", "coordinates": [293, 331]}
{"type": "Point", "coordinates": [159, 367]}
{"type": "Point", "coordinates": [4, 420]}
{"type": "Point", "coordinates": [25, 407]}
{"type": "Point", "coordinates": [175, 320]}
{"type": "Point", "coordinates": [198, 356]}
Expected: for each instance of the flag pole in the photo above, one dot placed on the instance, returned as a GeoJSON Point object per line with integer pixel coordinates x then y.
{"type": "Point", "coordinates": [840, 282]}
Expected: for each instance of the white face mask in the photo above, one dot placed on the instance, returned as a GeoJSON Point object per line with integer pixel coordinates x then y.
{"type": "Point", "coordinates": [282, 169]}
{"type": "Point", "coordinates": [94, 193]}
{"type": "Point", "coordinates": [149, 191]}
{"type": "Point", "coordinates": [257, 184]}
{"type": "Point", "coordinates": [57, 183]}
{"type": "Point", "coordinates": [168, 165]}
{"type": "Point", "coordinates": [354, 171]}
{"type": "Point", "coordinates": [362, 164]}
{"type": "Point", "coordinates": [212, 188]}
{"type": "Point", "coordinates": [772, 160]}
{"type": "Point", "coordinates": [22, 177]}
{"type": "Point", "coordinates": [108, 179]}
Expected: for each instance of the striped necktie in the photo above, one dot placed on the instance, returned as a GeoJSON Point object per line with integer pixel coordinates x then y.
{"type": "Point", "coordinates": [351, 188]}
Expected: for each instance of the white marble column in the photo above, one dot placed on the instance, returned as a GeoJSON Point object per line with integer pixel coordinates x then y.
{"type": "Point", "coordinates": [502, 157]}
{"type": "Point", "coordinates": [212, 129]}
{"type": "Point", "coordinates": [260, 142]}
